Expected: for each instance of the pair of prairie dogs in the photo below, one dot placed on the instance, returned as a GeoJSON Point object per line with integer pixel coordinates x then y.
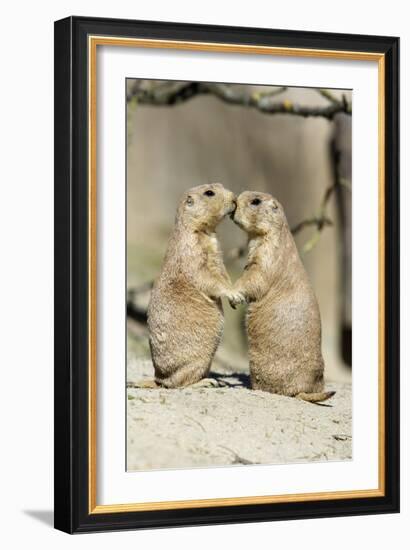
{"type": "Point", "coordinates": [185, 315]}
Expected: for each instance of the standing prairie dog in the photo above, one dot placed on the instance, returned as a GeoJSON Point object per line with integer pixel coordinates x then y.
{"type": "Point", "coordinates": [185, 315]}
{"type": "Point", "coordinates": [283, 320]}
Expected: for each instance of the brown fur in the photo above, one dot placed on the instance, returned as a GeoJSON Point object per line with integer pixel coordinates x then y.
{"type": "Point", "coordinates": [283, 320]}
{"type": "Point", "coordinates": [185, 316]}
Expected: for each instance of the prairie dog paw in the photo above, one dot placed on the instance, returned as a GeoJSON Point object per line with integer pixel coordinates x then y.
{"type": "Point", "coordinates": [205, 383]}
{"type": "Point", "coordinates": [235, 298]}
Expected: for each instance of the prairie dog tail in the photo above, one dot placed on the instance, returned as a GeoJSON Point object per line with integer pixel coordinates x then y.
{"type": "Point", "coordinates": [315, 397]}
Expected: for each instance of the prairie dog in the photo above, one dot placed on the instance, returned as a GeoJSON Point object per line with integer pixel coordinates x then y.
{"type": "Point", "coordinates": [185, 315]}
{"type": "Point", "coordinates": [283, 319]}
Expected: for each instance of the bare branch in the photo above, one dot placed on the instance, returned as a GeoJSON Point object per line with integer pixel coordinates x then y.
{"type": "Point", "coordinates": [272, 93]}
{"type": "Point", "coordinates": [134, 310]}
{"type": "Point", "coordinates": [174, 93]}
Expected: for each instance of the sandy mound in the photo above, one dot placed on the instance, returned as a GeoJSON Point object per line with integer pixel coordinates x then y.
{"type": "Point", "coordinates": [231, 424]}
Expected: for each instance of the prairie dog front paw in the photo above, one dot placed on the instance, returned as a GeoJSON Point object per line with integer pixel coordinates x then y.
{"type": "Point", "coordinates": [235, 298]}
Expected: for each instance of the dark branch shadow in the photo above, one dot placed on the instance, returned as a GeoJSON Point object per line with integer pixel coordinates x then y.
{"type": "Point", "coordinates": [44, 516]}
{"type": "Point", "coordinates": [232, 380]}
{"type": "Point", "coordinates": [240, 380]}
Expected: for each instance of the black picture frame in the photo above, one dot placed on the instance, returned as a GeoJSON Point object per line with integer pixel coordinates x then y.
{"type": "Point", "coordinates": [72, 277]}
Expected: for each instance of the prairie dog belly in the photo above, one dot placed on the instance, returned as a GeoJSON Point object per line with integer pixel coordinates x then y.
{"type": "Point", "coordinates": [185, 331]}
{"type": "Point", "coordinates": [284, 344]}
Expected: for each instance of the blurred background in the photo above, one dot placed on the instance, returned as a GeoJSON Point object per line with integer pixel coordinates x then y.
{"type": "Point", "coordinates": [294, 143]}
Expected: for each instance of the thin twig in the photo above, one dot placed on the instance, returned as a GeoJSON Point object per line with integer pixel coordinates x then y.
{"type": "Point", "coordinates": [328, 95]}
{"type": "Point", "coordinates": [195, 421]}
{"type": "Point", "coordinates": [237, 459]}
{"type": "Point", "coordinates": [319, 222]}
{"type": "Point", "coordinates": [321, 217]}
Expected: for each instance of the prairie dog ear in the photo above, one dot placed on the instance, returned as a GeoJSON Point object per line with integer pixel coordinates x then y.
{"type": "Point", "coordinates": [274, 205]}
{"type": "Point", "coordinates": [189, 201]}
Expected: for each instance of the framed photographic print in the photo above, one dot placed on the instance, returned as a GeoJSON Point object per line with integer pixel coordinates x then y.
{"type": "Point", "coordinates": [226, 274]}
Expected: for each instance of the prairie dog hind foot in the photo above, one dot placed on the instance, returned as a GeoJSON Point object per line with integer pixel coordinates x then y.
{"type": "Point", "coordinates": [204, 383]}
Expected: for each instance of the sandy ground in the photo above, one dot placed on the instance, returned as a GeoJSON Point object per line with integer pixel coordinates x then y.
{"type": "Point", "coordinates": [231, 424]}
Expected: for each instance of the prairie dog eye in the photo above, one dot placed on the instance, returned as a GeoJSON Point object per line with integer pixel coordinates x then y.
{"type": "Point", "coordinates": [209, 193]}
{"type": "Point", "coordinates": [256, 202]}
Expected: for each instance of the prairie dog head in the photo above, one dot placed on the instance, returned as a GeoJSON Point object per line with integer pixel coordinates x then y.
{"type": "Point", "coordinates": [258, 213]}
{"type": "Point", "coordinates": [204, 206]}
